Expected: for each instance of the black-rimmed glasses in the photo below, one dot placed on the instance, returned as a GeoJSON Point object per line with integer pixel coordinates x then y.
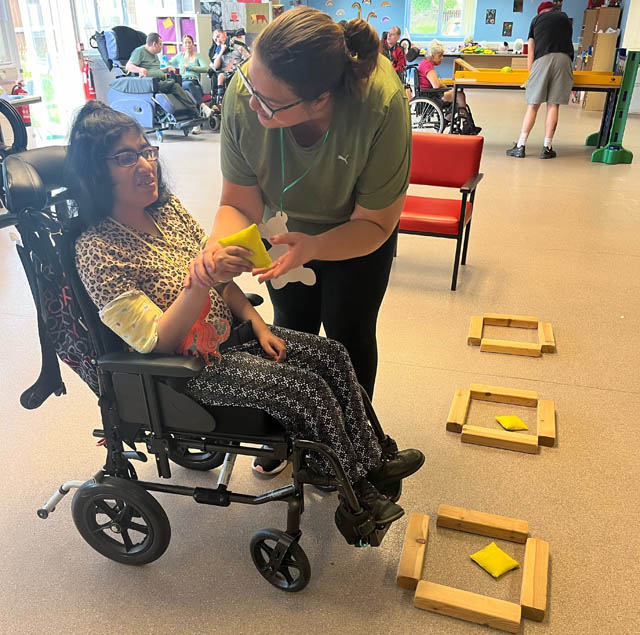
{"type": "Point", "coordinates": [268, 111]}
{"type": "Point", "coordinates": [127, 158]}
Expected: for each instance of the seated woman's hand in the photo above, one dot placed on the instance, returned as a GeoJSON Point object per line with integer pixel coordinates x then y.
{"type": "Point", "coordinates": [215, 264]}
{"type": "Point", "coordinates": [272, 345]}
{"type": "Point", "coordinates": [302, 249]}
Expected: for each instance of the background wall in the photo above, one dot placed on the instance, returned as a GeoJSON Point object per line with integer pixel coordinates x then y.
{"type": "Point", "coordinates": [396, 14]}
{"type": "Point", "coordinates": [521, 21]}
{"type": "Point", "coordinates": [391, 14]}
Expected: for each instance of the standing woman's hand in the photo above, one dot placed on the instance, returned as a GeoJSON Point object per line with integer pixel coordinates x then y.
{"type": "Point", "coordinates": [302, 249]}
{"type": "Point", "coordinates": [216, 264]}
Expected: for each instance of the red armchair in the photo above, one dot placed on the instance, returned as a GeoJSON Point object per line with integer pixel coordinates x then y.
{"type": "Point", "coordinates": [446, 161]}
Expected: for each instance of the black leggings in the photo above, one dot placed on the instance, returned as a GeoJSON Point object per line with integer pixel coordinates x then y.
{"type": "Point", "coordinates": [345, 300]}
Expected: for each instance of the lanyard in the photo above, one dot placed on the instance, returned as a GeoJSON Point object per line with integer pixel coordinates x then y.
{"type": "Point", "coordinates": [288, 187]}
{"type": "Point", "coordinates": [160, 252]}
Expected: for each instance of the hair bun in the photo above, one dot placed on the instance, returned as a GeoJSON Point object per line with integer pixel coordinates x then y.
{"type": "Point", "coordinates": [363, 45]}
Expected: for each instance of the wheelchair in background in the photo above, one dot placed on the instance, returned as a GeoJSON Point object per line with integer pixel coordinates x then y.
{"type": "Point", "coordinates": [136, 96]}
{"type": "Point", "coordinates": [144, 410]}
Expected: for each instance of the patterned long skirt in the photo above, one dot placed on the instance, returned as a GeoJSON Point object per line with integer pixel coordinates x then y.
{"type": "Point", "coordinates": [314, 394]}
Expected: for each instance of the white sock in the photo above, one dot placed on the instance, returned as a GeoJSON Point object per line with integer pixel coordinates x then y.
{"type": "Point", "coordinates": [547, 142]}
{"type": "Point", "coordinates": [523, 139]}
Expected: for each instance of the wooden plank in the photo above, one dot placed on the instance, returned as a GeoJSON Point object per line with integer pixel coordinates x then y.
{"type": "Point", "coordinates": [475, 331]}
{"type": "Point", "coordinates": [413, 551]}
{"type": "Point", "coordinates": [483, 524]}
{"type": "Point", "coordinates": [500, 439]}
{"type": "Point", "coordinates": [459, 409]}
{"type": "Point", "coordinates": [481, 609]}
{"type": "Point", "coordinates": [535, 574]}
{"type": "Point", "coordinates": [499, 394]}
{"type": "Point", "coordinates": [510, 348]}
{"type": "Point", "coordinates": [546, 416]}
{"type": "Point", "coordinates": [518, 321]}
{"type": "Point", "coordinates": [545, 337]}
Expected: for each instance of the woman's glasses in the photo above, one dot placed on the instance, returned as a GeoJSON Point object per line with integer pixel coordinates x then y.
{"type": "Point", "coordinates": [128, 158]}
{"type": "Point", "coordinates": [268, 111]}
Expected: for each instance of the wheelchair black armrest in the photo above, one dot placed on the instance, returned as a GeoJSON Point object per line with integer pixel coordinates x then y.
{"type": "Point", "coordinates": [152, 364]}
{"type": "Point", "coordinates": [471, 183]}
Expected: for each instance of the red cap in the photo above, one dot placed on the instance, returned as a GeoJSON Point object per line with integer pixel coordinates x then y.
{"type": "Point", "coordinates": [543, 6]}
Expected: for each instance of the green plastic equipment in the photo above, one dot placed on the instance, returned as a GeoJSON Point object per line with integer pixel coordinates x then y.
{"type": "Point", "coordinates": [613, 152]}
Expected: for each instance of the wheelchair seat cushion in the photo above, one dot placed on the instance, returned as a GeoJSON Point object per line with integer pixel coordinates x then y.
{"type": "Point", "coordinates": [235, 423]}
{"type": "Point", "coordinates": [134, 85]}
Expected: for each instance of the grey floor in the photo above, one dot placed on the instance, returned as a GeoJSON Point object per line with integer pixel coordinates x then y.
{"type": "Point", "coordinates": [555, 239]}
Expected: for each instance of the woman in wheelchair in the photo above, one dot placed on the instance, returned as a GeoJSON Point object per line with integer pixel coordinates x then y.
{"type": "Point", "coordinates": [190, 64]}
{"type": "Point", "coordinates": [132, 257]}
{"type": "Point", "coordinates": [429, 81]}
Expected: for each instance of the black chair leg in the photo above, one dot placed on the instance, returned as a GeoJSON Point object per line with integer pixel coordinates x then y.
{"type": "Point", "coordinates": [454, 280]}
{"type": "Point", "coordinates": [466, 243]}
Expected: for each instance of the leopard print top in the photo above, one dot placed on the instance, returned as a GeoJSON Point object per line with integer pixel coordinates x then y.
{"type": "Point", "coordinates": [111, 262]}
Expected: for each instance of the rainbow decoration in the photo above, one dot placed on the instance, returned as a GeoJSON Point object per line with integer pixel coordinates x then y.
{"type": "Point", "coordinates": [385, 4]}
{"type": "Point", "coordinates": [386, 18]}
{"type": "Point", "coordinates": [328, 3]}
{"type": "Point", "coordinates": [366, 1]}
{"type": "Point", "coordinates": [372, 14]}
{"type": "Point", "coordinates": [340, 12]}
{"type": "Point", "coordinates": [358, 7]}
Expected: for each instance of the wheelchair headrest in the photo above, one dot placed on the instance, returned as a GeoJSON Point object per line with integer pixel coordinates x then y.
{"type": "Point", "coordinates": [116, 45]}
{"type": "Point", "coordinates": [30, 176]}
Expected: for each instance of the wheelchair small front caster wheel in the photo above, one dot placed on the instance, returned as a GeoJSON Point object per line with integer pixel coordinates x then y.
{"type": "Point", "coordinates": [43, 513]}
{"type": "Point", "coordinates": [185, 131]}
{"type": "Point", "coordinates": [195, 460]}
{"type": "Point", "coordinates": [214, 122]}
{"type": "Point", "coordinates": [280, 560]}
{"type": "Point", "coordinates": [121, 520]}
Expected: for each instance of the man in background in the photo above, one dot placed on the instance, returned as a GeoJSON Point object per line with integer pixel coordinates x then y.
{"type": "Point", "coordinates": [550, 63]}
{"type": "Point", "coordinates": [394, 52]}
{"type": "Point", "coordinates": [144, 61]}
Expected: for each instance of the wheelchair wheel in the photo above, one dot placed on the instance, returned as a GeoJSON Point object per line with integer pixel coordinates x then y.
{"type": "Point", "coordinates": [294, 571]}
{"type": "Point", "coordinates": [195, 460]}
{"type": "Point", "coordinates": [426, 116]}
{"type": "Point", "coordinates": [214, 122]}
{"type": "Point", "coordinates": [121, 520]}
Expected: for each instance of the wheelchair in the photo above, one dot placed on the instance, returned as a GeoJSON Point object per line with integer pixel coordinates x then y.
{"type": "Point", "coordinates": [145, 411]}
{"type": "Point", "coordinates": [431, 113]}
{"type": "Point", "coordinates": [135, 96]}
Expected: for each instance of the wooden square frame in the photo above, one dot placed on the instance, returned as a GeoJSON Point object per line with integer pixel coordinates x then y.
{"type": "Point", "coordinates": [481, 609]}
{"type": "Point", "coordinates": [545, 414]}
{"type": "Point", "coordinates": [546, 339]}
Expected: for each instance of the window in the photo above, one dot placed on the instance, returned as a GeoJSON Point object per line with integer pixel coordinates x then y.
{"type": "Point", "coordinates": [436, 18]}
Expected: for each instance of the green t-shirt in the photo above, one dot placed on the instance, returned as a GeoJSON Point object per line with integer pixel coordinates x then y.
{"type": "Point", "coordinates": [141, 57]}
{"type": "Point", "coordinates": [366, 157]}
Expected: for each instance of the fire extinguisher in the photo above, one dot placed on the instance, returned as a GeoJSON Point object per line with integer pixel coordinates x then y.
{"type": "Point", "coordinates": [25, 113]}
{"type": "Point", "coordinates": [87, 81]}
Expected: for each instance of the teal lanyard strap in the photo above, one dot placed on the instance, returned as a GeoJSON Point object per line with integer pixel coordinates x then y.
{"type": "Point", "coordinates": [288, 187]}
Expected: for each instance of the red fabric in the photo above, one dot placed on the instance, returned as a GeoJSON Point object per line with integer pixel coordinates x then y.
{"type": "Point", "coordinates": [432, 215]}
{"type": "Point", "coordinates": [423, 70]}
{"type": "Point", "coordinates": [203, 339]}
{"type": "Point", "coordinates": [396, 56]}
{"type": "Point", "coordinates": [445, 160]}
{"type": "Point", "coordinates": [544, 5]}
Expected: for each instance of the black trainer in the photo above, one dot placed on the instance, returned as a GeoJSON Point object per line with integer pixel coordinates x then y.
{"type": "Point", "coordinates": [517, 151]}
{"type": "Point", "coordinates": [547, 153]}
{"type": "Point", "coordinates": [393, 469]}
{"type": "Point", "coordinates": [380, 507]}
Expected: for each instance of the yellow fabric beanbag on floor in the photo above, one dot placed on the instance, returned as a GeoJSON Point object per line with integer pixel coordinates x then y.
{"type": "Point", "coordinates": [493, 560]}
{"type": "Point", "coordinates": [249, 238]}
{"type": "Point", "coordinates": [512, 422]}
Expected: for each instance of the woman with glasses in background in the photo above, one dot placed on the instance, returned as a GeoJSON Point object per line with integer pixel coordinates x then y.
{"type": "Point", "coordinates": [316, 125]}
{"type": "Point", "coordinates": [132, 258]}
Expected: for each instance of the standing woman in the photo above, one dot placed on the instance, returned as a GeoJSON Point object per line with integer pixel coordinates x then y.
{"type": "Point", "coordinates": [316, 124]}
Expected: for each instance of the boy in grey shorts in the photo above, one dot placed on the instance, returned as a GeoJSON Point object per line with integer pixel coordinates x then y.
{"type": "Point", "coordinates": [550, 62]}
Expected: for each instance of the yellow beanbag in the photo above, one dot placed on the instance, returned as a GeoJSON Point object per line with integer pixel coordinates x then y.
{"type": "Point", "coordinates": [512, 422]}
{"type": "Point", "coordinates": [506, 69]}
{"type": "Point", "coordinates": [493, 560]}
{"type": "Point", "coordinates": [249, 238]}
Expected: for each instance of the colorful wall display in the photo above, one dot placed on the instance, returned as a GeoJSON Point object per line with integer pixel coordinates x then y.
{"type": "Point", "coordinates": [490, 16]}
{"type": "Point", "coordinates": [507, 29]}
